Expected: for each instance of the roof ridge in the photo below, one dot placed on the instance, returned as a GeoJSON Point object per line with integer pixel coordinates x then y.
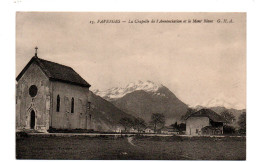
{"type": "Point", "coordinates": [208, 113]}
{"type": "Point", "coordinates": [56, 71]}
{"type": "Point", "coordinates": [54, 63]}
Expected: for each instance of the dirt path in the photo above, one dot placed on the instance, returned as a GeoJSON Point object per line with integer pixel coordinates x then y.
{"type": "Point", "coordinates": [130, 140]}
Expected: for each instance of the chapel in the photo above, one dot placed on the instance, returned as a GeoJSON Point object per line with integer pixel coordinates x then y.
{"type": "Point", "coordinates": [50, 95]}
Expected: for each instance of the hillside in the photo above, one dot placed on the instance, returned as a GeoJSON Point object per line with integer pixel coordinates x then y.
{"type": "Point", "coordinates": [106, 116]}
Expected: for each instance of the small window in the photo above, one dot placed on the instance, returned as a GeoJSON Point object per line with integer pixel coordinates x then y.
{"type": "Point", "coordinates": [72, 105]}
{"type": "Point", "coordinates": [33, 91]}
{"type": "Point", "coordinates": [89, 104]}
{"type": "Point", "coordinates": [58, 104]}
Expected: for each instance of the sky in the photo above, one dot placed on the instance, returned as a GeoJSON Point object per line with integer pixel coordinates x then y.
{"type": "Point", "coordinates": [201, 63]}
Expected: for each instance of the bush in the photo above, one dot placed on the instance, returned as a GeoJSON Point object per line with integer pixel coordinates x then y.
{"type": "Point", "coordinates": [242, 131]}
{"type": "Point", "coordinates": [227, 129]}
{"type": "Point", "coordinates": [54, 130]}
{"type": "Point", "coordinates": [21, 134]}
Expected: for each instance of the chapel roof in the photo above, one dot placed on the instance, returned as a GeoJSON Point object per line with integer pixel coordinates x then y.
{"type": "Point", "coordinates": [208, 113]}
{"type": "Point", "coordinates": [56, 72]}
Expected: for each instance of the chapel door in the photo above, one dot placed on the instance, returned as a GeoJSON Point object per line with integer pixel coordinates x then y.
{"type": "Point", "coordinates": [32, 121]}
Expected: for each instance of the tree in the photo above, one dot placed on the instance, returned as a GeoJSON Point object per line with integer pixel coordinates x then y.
{"type": "Point", "coordinates": [228, 129]}
{"type": "Point", "coordinates": [126, 122]}
{"type": "Point", "coordinates": [139, 124]}
{"type": "Point", "coordinates": [157, 121]}
{"type": "Point", "coordinates": [188, 113]}
{"type": "Point", "coordinates": [175, 125]}
{"type": "Point", "coordinates": [242, 122]}
{"type": "Point", "coordinates": [182, 127]}
{"type": "Point", "coordinates": [230, 118]}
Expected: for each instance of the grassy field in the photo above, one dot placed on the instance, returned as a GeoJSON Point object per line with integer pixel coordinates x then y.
{"type": "Point", "coordinates": [107, 147]}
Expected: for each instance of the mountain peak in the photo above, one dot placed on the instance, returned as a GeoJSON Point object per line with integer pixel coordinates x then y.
{"type": "Point", "coordinates": [223, 101]}
{"type": "Point", "coordinates": [146, 86]}
{"type": "Point", "coordinates": [118, 92]}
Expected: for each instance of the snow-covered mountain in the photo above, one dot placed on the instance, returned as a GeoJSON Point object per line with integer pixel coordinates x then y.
{"type": "Point", "coordinates": [148, 86]}
{"type": "Point", "coordinates": [142, 99]}
{"type": "Point", "coordinates": [223, 101]}
{"type": "Point", "coordinates": [119, 92]}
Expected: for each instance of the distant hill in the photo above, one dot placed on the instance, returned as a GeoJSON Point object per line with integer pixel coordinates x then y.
{"type": "Point", "coordinates": [106, 116]}
{"type": "Point", "coordinates": [141, 99]}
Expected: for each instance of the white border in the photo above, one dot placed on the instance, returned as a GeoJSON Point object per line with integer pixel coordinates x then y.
{"type": "Point", "coordinates": [7, 38]}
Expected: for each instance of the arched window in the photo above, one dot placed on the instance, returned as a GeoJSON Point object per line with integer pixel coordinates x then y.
{"type": "Point", "coordinates": [58, 103]}
{"type": "Point", "coordinates": [72, 105]}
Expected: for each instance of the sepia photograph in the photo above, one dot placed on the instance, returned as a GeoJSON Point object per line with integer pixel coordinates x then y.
{"type": "Point", "coordinates": [130, 85]}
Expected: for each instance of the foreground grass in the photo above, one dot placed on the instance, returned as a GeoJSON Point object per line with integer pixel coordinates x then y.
{"type": "Point", "coordinates": [142, 148]}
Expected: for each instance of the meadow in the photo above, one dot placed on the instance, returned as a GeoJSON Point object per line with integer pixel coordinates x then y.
{"type": "Point", "coordinates": [130, 148]}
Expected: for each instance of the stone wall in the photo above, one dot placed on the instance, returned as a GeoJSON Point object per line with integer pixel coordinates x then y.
{"type": "Point", "coordinates": [40, 104]}
{"type": "Point", "coordinates": [64, 119]}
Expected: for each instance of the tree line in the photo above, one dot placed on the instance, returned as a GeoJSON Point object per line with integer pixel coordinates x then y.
{"type": "Point", "coordinates": [230, 118]}
{"type": "Point", "coordinates": [157, 122]}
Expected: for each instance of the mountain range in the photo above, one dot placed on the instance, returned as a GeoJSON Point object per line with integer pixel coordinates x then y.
{"type": "Point", "coordinates": [142, 98]}
{"type": "Point", "coordinates": [119, 92]}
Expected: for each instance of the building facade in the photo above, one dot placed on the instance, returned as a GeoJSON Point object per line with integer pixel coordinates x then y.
{"type": "Point", "coordinates": [204, 122]}
{"type": "Point", "coordinates": [51, 95]}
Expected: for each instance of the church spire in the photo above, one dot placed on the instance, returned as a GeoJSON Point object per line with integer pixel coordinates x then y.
{"type": "Point", "coordinates": [36, 48]}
